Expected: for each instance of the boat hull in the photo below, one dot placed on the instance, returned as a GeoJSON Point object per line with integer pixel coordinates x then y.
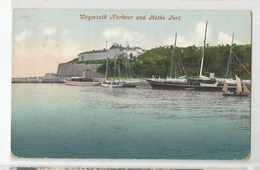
{"type": "Point", "coordinates": [129, 85]}
{"type": "Point", "coordinates": [117, 84]}
{"type": "Point", "coordinates": [167, 85]}
{"type": "Point", "coordinates": [236, 94]}
{"type": "Point", "coordinates": [77, 83]}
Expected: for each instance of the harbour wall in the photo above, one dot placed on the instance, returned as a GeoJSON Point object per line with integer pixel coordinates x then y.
{"type": "Point", "coordinates": [38, 80]}
{"type": "Point", "coordinates": [65, 70]}
{"type": "Point", "coordinates": [76, 70]}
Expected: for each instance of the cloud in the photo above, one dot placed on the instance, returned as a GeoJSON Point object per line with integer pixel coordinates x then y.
{"type": "Point", "coordinates": [120, 35]}
{"type": "Point", "coordinates": [181, 41]}
{"type": "Point", "coordinates": [22, 36]}
{"type": "Point", "coordinates": [197, 37]}
{"type": "Point", "coordinates": [50, 30]}
{"type": "Point", "coordinates": [41, 25]}
{"type": "Point", "coordinates": [224, 38]}
{"type": "Point", "coordinates": [113, 32]}
{"type": "Point", "coordinates": [200, 31]}
{"type": "Point", "coordinates": [46, 29]}
{"type": "Point", "coordinates": [64, 31]}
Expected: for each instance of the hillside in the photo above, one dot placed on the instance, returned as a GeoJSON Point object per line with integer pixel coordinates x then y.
{"type": "Point", "coordinates": [157, 62]}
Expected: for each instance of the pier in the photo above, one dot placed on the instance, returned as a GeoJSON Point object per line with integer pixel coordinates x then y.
{"type": "Point", "coordinates": [38, 80]}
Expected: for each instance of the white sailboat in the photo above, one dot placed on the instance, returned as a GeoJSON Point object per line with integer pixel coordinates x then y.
{"type": "Point", "coordinates": [129, 82]}
{"type": "Point", "coordinates": [230, 80]}
{"type": "Point", "coordinates": [111, 83]}
{"type": "Point", "coordinates": [202, 59]}
{"type": "Point", "coordinates": [181, 79]}
{"type": "Point", "coordinates": [105, 82]}
{"type": "Point", "coordinates": [239, 90]}
{"type": "Point", "coordinates": [211, 77]}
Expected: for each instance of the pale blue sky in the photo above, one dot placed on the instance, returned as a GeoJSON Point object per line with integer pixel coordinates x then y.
{"type": "Point", "coordinates": [46, 37]}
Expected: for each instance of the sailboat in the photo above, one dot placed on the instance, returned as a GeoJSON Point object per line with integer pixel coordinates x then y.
{"type": "Point", "coordinates": [211, 81]}
{"type": "Point", "coordinates": [174, 58]}
{"type": "Point", "coordinates": [117, 83]}
{"type": "Point", "coordinates": [82, 81]}
{"type": "Point", "coordinates": [202, 83]}
{"type": "Point", "coordinates": [230, 80]}
{"type": "Point", "coordinates": [171, 83]}
{"type": "Point", "coordinates": [129, 82]}
{"type": "Point", "coordinates": [124, 83]}
{"type": "Point", "coordinates": [239, 90]}
{"type": "Point", "coordinates": [106, 82]}
{"type": "Point", "coordinates": [111, 83]}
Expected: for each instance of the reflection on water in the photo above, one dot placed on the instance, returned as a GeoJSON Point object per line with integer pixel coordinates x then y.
{"type": "Point", "coordinates": [62, 121]}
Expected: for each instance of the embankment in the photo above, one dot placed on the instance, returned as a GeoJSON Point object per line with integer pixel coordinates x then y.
{"type": "Point", "coordinates": [76, 70]}
{"type": "Point", "coordinates": [38, 80]}
{"type": "Point", "coordinates": [65, 70]}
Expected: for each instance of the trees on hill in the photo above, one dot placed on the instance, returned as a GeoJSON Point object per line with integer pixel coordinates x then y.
{"type": "Point", "coordinates": [157, 62]}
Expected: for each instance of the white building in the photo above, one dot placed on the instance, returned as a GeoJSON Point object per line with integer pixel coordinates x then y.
{"type": "Point", "coordinates": [114, 51]}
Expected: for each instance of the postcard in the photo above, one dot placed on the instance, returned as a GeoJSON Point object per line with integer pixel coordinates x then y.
{"type": "Point", "coordinates": [131, 84]}
{"type": "Point", "coordinates": [75, 168]}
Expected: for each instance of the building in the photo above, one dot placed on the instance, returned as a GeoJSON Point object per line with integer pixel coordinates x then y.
{"type": "Point", "coordinates": [50, 74]}
{"type": "Point", "coordinates": [114, 51]}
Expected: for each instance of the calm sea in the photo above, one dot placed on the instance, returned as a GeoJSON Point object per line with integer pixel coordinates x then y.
{"type": "Point", "coordinates": [60, 121]}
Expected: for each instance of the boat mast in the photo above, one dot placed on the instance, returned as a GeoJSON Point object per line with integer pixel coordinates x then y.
{"type": "Point", "coordinates": [173, 57]}
{"type": "Point", "coordinates": [106, 62]}
{"type": "Point", "coordinates": [126, 61]}
{"type": "Point", "coordinates": [203, 50]}
{"type": "Point", "coordinates": [119, 69]}
{"type": "Point", "coordinates": [229, 58]}
{"type": "Point", "coordinates": [115, 67]}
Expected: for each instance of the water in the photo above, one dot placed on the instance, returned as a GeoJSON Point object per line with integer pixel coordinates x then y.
{"type": "Point", "coordinates": [59, 121]}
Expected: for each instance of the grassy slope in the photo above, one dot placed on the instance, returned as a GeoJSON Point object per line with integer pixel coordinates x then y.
{"type": "Point", "coordinates": [157, 61]}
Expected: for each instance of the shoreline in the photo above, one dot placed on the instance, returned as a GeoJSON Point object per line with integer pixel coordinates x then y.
{"type": "Point", "coordinates": [38, 80]}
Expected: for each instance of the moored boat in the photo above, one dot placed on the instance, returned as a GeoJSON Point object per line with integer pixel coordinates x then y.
{"type": "Point", "coordinates": [191, 83]}
{"type": "Point", "coordinates": [239, 90]}
{"type": "Point", "coordinates": [81, 81]}
{"type": "Point", "coordinates": [118, 82]}
{"type": "Point", "coordinates": [202, 83]}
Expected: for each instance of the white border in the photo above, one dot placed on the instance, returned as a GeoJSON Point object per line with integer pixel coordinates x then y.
{"type": "Point", "coordinates": [5, 90]}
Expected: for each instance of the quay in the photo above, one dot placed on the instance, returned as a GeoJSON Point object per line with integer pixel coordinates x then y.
{"type": "Point", "coordinates": [38, 80]}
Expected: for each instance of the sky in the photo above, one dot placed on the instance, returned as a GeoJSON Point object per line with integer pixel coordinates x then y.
{"type": "Point", "coordinates": [43, 38]}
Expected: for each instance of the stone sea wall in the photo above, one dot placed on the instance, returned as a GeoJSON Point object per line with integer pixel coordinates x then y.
{"type": "Point", "coordinates": [76, 70]}
{"type": "Point", "coordinates": [38, 80]}
{"type": "Point", "coordinates": [66, 70]}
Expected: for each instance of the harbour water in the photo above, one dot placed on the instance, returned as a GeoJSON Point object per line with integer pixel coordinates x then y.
{"type": "Point", "coordinates": [59, 121]}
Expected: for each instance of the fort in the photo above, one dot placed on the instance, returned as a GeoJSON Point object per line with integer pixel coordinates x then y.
{"type": "Point", "coordinates": [114, 51]}
{"type": "Point", "coordinates": [64, 70]}
{"type": "Point", "coordinates": [76, 70]}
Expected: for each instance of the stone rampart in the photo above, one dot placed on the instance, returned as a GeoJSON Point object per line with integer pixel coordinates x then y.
{"type": "Point", "coordinates": [38, 80]}
{"type": "Point", "coordinates": [76, 70]}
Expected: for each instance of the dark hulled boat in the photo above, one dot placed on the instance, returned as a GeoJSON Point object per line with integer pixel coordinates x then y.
{"type": "Point", "coordinates": [192, 83]}
{"type": "Point", "coordinates": [201, 83]}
